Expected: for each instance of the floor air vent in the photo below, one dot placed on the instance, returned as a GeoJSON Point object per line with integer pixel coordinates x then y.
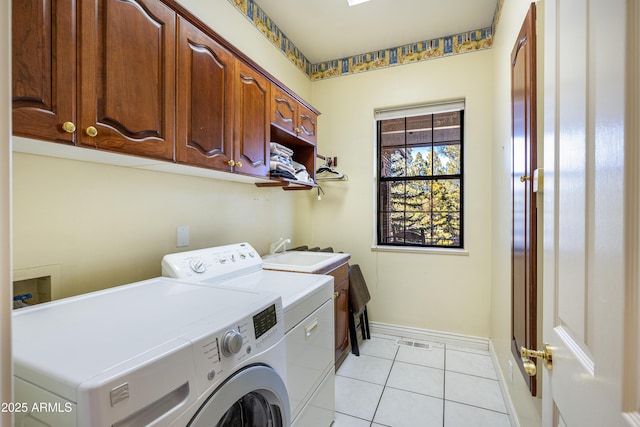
{"type": "Point", "coordinates": [414, 344]}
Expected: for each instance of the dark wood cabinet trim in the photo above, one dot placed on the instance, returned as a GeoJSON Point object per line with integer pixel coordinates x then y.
{"type": "Point", "coordinates": [185, 13]}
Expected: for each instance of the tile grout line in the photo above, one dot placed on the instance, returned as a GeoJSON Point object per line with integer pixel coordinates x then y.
{"type": "Point", "coordinates": [444, 384]}
{"type": "Point", "coordinates": [445, 370]}
{"type": "Point", "coordinates": [385, 384]}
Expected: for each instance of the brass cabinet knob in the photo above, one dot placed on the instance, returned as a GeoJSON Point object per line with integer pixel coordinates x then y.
{"type": "Point", "coordinates": [231, 162]}
{"type": "Point", "coordinates": [524, 178]}
{"type": "Point", "coordinates": [92, 132]}
{"type": "Point", "coordinates": [336, 295]}
{"type": "Point", "coordinates": [239, 164]}
{"type": "Point", "coordinates": [529, 365]}
{"type": "Point", "coordinates": [69, 127]}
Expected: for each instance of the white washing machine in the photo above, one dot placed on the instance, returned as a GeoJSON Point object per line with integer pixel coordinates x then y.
{"type": "Point", "coordinates": [161, 352]}
{"type": "Point", "coordinates": [307, 301]}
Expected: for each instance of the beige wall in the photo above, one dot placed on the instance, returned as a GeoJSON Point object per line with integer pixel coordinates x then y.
{"type": "Point", "coordinates": [426, 290]}
{"type": "Point", "coordinates": [513, 14]}
{"type": "Point", "coordinates": [108, 225]}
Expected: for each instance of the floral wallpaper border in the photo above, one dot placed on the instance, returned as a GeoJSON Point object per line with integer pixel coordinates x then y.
{"type": "Point", "coordinates": [414, 52]}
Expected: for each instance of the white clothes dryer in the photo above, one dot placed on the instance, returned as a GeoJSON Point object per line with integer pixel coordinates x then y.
{"type": "Point", "coordinates": [308, 306]}
{"type": "Point", "coordinates": [161, 352]}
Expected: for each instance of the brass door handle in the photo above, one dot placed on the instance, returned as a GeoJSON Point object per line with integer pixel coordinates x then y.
{"type": "Point", "coordinates": [336, 295]}
{"type": "Point", "coordinates": [239, 164]}
{"type": "Point", "coordinates": [524, 178]}
{"type": "Point", "coordinates": [92, 132]}
{"type": "Point", "coordinates": [69, 127]}
{"type": "Point", "coordinates": [529, 365]}
{"type": "Point", "coordinates": [231, 162]}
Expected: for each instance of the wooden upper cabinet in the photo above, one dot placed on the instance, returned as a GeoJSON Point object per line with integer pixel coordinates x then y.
{"type": "Point", "coordinates": [146, 78]}
{"type": "Point", "coordinates": [251, 133]}
{"type": "Point", "coordinates": [293, 117]}
{"type": "Point", "coordinates": [205, 100]}
{"type": "Point", "coordinates": [44, 68]}
{"type": "Point", "coordinates": [127, 77]}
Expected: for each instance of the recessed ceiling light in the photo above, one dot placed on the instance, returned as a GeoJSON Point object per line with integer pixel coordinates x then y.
{"type": "Point", "coordinates": [355, 2]}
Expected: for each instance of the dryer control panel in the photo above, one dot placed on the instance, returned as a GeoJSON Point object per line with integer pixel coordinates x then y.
{"type": "Point", "coordinates": [222, 353]}
{"type": "Point", "coordinates": [212, 264]}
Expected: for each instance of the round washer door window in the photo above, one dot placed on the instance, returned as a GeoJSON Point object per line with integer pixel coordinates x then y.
{"type": "Point", "coordinates": [254, 397]}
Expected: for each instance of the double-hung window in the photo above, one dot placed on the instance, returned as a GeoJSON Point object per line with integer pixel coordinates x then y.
{"type": "Point", "coordinates": [420, 176]}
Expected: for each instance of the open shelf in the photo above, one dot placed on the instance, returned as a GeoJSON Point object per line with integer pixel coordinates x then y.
{"type": "Point", "coordinates": [287, 184]}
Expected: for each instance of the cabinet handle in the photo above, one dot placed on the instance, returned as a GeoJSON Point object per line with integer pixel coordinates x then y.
{"type": "Point", "coordinates": [311, 328]}
{"type": "Point", "coordinates": [524, 178]}
{"type": "Point", "coordinates": [336, 295]}
{"type": "Point", "coordinates": [239, 164]}
{"type": "Point", "coordinates": [231, 162]}
{"type": "Point", "coordinates": [69, 127]}
{"type": "Point", "coordinates": [92, 132]}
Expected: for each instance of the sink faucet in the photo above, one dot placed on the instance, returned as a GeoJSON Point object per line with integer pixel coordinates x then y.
{"type": "Point", "coordinates": [275, 247]}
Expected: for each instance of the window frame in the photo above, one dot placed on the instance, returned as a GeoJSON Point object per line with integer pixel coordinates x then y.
{"type": "Point", "coordinates": [404, 113]}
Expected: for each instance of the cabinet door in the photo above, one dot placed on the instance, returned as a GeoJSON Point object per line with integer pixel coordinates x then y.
{"type": "Point", "coordinates": [342, 317]}
{"type": "Point", "coordinates": [283, 111]}
{"type": "Point", "coordinates": [127, 76]}
{"type": "Point", "coordinates": [205, 94]}
{"type": "Point", "coordinates": [292, 117]}
{"type": "Point", "coordinates": [251, 140]}
{"type": "Point", "coordinates": [43, 68]}
{"type": "Point", "coordinates": [307, 124]}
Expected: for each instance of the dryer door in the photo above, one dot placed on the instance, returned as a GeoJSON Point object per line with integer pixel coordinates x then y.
{"type": "Point", "coordinates": [254, 396]}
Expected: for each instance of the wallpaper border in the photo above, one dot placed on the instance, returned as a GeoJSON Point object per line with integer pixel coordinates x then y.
{"type": "Point", "coordinates": [466, 42]}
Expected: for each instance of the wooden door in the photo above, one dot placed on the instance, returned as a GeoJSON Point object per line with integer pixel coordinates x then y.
{"type": "Point", "coordinates": [251, 140]}
{"type": "Point", "coordinates": [523, 249]}
{"type": "Point", "coordinates": [591, 213]}
{"type": "Point", "coordinates": [127, 77]}
{"type": "Point", "coordinates": [43, 65]}
{"type": "Point", "coordinates": [205, 100]}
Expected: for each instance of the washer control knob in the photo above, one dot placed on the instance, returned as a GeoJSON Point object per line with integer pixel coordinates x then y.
{"type": "Point", "coordinates": [231, 343]}
{"type": "Point", "coordinates": [198, 265]}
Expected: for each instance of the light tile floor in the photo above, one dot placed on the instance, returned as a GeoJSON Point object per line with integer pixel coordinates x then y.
{"type": "Point", "coordinates": [397, 385]}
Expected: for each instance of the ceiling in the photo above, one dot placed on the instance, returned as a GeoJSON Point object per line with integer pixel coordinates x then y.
{"type": "Point", "coordinates": [324, 30]}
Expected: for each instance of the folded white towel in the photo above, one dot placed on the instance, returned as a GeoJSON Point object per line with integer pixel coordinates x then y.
{"type": "Point", "coordinates": [282, 159]}
{"type": "Point", "coordinates": [280, 149]}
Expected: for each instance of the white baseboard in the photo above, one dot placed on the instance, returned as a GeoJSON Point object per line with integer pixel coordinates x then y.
{"type": "Point", "coordinates": [503, 387]}
{"type": "Point", "coordinates": [469, 341]}
{"type": "Point", "coordinates": [479, 343]}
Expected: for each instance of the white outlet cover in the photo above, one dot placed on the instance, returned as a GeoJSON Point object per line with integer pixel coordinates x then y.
{"type": "Point", "coordinates": [182, 236]}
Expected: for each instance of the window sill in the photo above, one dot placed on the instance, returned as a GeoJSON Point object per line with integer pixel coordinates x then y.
{"type": "Point", "coordinates": [435, 251]}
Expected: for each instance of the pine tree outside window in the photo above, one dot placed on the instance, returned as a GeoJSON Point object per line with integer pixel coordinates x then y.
{"type": "Point", "coordinates": [420, 176]}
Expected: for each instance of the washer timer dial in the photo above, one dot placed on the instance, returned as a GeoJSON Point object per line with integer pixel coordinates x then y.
{"type": "Point", "coordinates": [198, 265]}
{"type": "Point", "coordinates": [231, 343]}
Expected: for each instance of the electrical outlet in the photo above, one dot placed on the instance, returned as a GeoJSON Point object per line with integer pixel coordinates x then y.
{"type": "Point", "coordinates": [182, 236]}
{"type": "Point", "coordinates": [510, 371]}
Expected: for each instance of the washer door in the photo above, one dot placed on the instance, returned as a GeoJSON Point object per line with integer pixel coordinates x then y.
{"type": "Point", "coordinates": [253, 397]}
